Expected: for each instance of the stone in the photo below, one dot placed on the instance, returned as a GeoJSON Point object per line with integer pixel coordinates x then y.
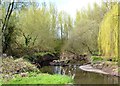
{"type": "Point", "coordinates": [99, 66]}
{"type": "Point", "coordinates": [24, 74]}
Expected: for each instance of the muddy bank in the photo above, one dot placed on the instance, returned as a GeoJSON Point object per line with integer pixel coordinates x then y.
{"type": "Point", "coordinates": [101, 68]}
{"type": "Point", "coordinates": [74, 59]}
{"type": "Point", "coordinates": [89, 68]}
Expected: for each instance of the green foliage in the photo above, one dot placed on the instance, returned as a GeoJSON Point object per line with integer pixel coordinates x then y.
{"type": "Point", "coordinates": [83, 38]}
{"type": "Point", "coordinates": [108, 34]}
{"type": "Point", "coordinates": [36, 28]}
{"type": "Point", "coordinates": [65, 25]}
{"type": "Point", "coordinates": [41, 79]}
{"type": "Point", "coordinates": [96, 58]}
{"type": "Point", "coordinates": [36, 24]}
{"type": "Point", "coordinates": [0, 82]}
{"type": "Point", "coordinates": [43, 53]}
{"type": "Point", "coordinates": [96, 53]}
{"type": "Point", "coordinates": [10, 34]}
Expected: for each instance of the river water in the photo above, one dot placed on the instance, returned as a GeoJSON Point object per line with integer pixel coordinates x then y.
{"type": "Point", "coordinates": [80, 76]}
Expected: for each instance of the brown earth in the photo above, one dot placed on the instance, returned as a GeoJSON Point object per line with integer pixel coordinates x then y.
{"type": "Point", "coordinates": [74, 58]}
{"type": "Point", "coordinates": [108, 67]}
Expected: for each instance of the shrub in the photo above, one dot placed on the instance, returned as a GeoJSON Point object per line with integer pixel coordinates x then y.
{"type": "Point", "coordinates": [11, 67]}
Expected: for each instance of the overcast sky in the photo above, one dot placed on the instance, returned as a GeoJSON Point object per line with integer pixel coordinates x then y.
{"type": "Point", "coordinates": [70, 6]}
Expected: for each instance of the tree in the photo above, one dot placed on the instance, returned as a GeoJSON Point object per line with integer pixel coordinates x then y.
{"type": "Point", "coordinates": [108, 34]}
{"type": "Point", "coordinates": [10, 32]}
{"type": "Point", "coordinates": [60, 19]}
{"type": "Point", "coordinates": [83, 37]}
{"type": "Point", "coordinates": [5, 29]}
{"type": "Point", "coordinates": [53, 14]}
{"type": "Point", "coordinates": [0, 28]}
{"type": "Point", "coordinates": [40, 23]}
{"type": "Point", "coordinates": [119, 33]}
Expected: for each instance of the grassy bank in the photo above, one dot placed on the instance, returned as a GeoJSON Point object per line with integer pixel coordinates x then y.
{"type": "Point", "coordinates": [21, 71]}
{"type": "Point", "coordinates": [0, 82]}
{"type": "Point", "coordinates": [41, 78]}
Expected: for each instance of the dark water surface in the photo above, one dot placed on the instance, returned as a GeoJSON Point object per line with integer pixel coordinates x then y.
{"type": "Point", "coordinates": [80, 76]}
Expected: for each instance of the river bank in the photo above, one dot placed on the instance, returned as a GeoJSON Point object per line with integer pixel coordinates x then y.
{"type": "Point", "coordinates": [21, 71]}
{"type": "Point", "coordinates": [71, 67]}
{"type": "Point", "coordinates": [79, 76]}
{"type": "Point", "coordinates": [102, 69]}
{"type": "Point", "coordinates": [98, 64]}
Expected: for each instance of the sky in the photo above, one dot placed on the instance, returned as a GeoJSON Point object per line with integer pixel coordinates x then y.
{"type": "Point", "coordinates": [71, 6]}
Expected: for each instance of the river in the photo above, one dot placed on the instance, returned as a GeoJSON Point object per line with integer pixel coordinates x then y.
{"type": "Point", "coordinates": [80, 76]}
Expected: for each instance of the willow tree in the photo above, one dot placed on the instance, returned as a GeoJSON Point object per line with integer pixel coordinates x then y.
{"type": "Point", "coordinates": [108, 34]}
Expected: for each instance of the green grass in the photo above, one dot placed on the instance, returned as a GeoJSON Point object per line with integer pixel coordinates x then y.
{"type": "Point", "coordinates": [96, 58]}
{"type": "Point", "coordinates": [0, 82]}
{"type": "Point", "coordinates": [41, 79]}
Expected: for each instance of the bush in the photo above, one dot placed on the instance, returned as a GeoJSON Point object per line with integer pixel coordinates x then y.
{"type": "Point", "coordinates": [11, 67]}
{"type": "Point", "coordinates": [41, 79]}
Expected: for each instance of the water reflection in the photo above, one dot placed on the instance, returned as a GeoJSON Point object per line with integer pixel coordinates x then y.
{"type": "Point", "coordinates": [58, 70]}
{"type": "Point", "coordinates": [79, 76]}
{"type": "Point", "coordinates": [70, 70]}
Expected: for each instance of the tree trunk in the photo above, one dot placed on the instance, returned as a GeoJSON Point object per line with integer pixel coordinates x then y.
{"type": "Point", "coordinates": [5, 45]}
